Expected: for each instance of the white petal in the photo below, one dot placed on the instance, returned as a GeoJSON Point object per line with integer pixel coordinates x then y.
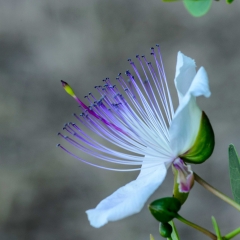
{"type": "Point", "coordinates": [186, 121]}
{"type": "Point", "coordinates": [185, 72]}
{"type": "Point", "coordinates": [128, 199]}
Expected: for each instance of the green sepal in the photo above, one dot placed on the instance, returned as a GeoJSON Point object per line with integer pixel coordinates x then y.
{"type": "Point", "coordinates": [165, 209]}
{"type": "Point", "coordinates": [204, 144]}
{"type": "Point", "coordinates": [181, 196]}
{"type": "Point", "coordinates": [165, 230]}
{"type": "Point", "coordinates": [234, 168]}
{"type": "Point", "coordinates": [229, 1]}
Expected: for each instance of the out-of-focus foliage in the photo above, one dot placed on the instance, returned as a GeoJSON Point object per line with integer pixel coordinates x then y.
{"type": "Point", "coordinates": [234, 168]}
{"type": "Point", "coordinates": [151, 237]}
{"type": "Point", "coordinates": [197, 8]}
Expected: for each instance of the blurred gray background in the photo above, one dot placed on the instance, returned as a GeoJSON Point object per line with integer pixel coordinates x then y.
{"type": "Point", "coordinates": [43, 191]}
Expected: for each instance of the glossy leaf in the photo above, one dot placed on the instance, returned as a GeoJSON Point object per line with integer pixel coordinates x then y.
{"type": "Point", "coordinates": [234, 168]}
{"type": "Point", "coordinates": [197, 8]}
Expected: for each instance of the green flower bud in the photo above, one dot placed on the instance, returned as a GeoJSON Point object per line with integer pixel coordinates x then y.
{"type": "Point", "coordinates": [165, 209]}
{"type": "Point", "coordinates": [203, 145]}
{"type": "Point", "coordinates": [165, 230]}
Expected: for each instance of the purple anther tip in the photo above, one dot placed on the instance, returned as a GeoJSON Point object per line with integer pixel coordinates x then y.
{"type": "Point", "coordinates": [58, 145]}
{"type": "Point", "coordinates": [64, 83]}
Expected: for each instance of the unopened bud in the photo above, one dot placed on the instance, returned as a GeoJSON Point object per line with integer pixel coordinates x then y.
{"type": "Point", "coordinates": [165, 230]}
{"type": "Point", "coordinates": [165, 209]}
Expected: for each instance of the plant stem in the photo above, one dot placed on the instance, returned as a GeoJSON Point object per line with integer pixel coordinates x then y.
{"type": "Point", "coordinates": [193, 225]}
{"type": "Point", "coordinates": [216, 192]}
{"type": "Point", "coordinates": [232, 234]}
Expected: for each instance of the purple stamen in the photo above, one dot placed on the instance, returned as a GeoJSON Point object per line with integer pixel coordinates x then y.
{"type": "Point", "coordinates": [133, 121]}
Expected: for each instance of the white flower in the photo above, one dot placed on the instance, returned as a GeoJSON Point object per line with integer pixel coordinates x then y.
{"type": "Point", "coordinates": [143, 124]}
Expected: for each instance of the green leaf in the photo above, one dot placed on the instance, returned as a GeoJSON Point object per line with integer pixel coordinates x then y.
{"type": "Point", "coordinates": [234, 168]}
{"type": "Point", "coordinates": [197, 8]}
{"type": "Point", "coordinates": [174, 234]}
{"type": "Point", "coordinates": [216, 228]}
{"type": "Point", "coordinates": [229, 1]}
